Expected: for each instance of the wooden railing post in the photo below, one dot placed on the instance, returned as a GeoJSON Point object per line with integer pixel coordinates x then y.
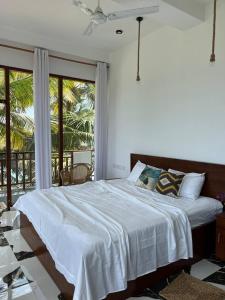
{"type": "Point", "coordinates": [16, 157]}
{"type": "Point", "coordinates": [24, 185]}
{"type": "Point", "coordinates": [2, 173]}
{"type": "Point", "coordinates": [71, 156]}
{"type": "Point", "coordinates": [30, 161]}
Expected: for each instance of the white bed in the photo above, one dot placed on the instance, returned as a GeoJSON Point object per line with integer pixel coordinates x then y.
{"type": "Point", "coordinates": [103, 234]}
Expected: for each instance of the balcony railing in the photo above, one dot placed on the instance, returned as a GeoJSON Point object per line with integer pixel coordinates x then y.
{"type": "Point", "coordinates": [23, 167]}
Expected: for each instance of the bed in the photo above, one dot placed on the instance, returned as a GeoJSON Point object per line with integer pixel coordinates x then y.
{"type": "Point", "coordinates": [202, 230]}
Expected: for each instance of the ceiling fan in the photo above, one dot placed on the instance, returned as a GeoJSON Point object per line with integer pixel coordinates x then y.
{"type": "Point", "coordinates": [98, 17]}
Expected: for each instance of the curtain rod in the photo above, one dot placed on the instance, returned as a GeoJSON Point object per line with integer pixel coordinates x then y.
{"type": "Point", "coordinates": [52, 56]}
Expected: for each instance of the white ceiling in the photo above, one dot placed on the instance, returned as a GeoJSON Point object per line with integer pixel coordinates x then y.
{"type": "Point", "coordinates": [58, 24]}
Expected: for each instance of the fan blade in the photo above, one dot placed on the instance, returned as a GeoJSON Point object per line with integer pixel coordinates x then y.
{"type": "Point", "coordinates": [89, 30]}
{"type": "Point", "coordinates": [133, 12]}
{"type": "Point", "coordinates": [83, 7]}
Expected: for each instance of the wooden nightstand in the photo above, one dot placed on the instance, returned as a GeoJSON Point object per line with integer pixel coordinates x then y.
{"type": "Point", "coordinates": [220, 236]}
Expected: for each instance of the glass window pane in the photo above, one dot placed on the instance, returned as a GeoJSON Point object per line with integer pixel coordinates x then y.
{"type": "Point", "coordinates": [22, 132]}
{"type": "Point", "coordinates": [2, 84]}
{"type": "Point", "coordinates": [53, 91]}
{"type": "Point", "coordinates": [78, 121]}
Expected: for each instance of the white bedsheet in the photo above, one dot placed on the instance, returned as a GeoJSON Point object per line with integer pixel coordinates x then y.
{"type": "Point", "coordinates": [103, 234]}
{"type": "Point", "coordinates": [200, 211]}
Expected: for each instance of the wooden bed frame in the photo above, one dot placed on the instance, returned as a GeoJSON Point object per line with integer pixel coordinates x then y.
{"type": "Point", "coordinates": [203, 236]}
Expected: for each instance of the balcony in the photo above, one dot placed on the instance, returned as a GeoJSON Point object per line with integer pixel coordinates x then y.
{"type": "Point", "coordinates": [23, 169]}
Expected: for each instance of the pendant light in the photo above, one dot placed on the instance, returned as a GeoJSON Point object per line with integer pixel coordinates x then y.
{"type": "Point", "coordinates": [213, 56]}
{"type": "Point", "coordinates": [139, 20]}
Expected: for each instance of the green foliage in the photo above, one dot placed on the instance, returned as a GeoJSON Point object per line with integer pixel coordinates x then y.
{"type": "Point", "coordinates": [78, 113]}
{"type": "Point", "coordinates": [21, 98]}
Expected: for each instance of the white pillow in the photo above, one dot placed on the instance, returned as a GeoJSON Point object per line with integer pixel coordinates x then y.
{"type": "Point", "coordinates": [136, 171]}
{"type": "Point", "coordinates": [191, 185]}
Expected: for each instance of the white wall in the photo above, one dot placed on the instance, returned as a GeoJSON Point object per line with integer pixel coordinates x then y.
{"type": "Point", "coordinates": [178, 108]}
{"type": "Point", "coordinates": [15, 58]}
{"type": "Point", "coordinates": [24, 60]}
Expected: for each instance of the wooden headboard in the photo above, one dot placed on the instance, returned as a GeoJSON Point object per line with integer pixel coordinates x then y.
{"type": "Point", "coordinates": [215, 173]}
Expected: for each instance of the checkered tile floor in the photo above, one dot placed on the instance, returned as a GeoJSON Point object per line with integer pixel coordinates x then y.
{"type": "Point", "coordinates": [22, 277]}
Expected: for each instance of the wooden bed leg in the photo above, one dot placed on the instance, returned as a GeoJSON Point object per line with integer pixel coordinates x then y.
{"type": "Point", "coordinates": [61, 297]}
{"type": "Point", "coordinates": [187, 270]}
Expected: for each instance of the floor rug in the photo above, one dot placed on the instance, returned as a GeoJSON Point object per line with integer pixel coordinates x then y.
{"type": "Point", "coordinates": [186, 287]}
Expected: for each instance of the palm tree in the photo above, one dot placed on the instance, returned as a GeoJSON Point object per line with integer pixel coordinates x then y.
{"type": "Point", "coordinates": [21, 98]}
{"type": "Point", "coordinates": [78, 117]}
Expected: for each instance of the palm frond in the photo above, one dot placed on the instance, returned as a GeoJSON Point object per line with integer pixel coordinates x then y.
{"type": "Point", "coordinates": [78, 107]}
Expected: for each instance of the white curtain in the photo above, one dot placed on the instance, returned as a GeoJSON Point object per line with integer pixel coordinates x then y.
{"type": "Point", "coordinates": [43, 170]}
{"type": "Point", "coordinates": [101, 122]}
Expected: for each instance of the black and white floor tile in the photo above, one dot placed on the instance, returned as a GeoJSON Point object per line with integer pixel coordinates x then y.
{"type": "Point", "coordinates": [22, 277]}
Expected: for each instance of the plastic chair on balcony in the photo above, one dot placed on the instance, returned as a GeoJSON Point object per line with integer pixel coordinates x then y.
{"type": "Point", "coordinates": [76, 174]}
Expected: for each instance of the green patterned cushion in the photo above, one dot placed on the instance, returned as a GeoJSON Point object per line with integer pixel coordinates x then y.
{"type": "Point", "coordinates": [148, 178]}
{"type": "Point", "coordinates": [169, 184]}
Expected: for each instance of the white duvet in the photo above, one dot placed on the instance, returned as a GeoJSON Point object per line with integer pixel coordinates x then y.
{"type": "Point", "coordinates": [103, 234]}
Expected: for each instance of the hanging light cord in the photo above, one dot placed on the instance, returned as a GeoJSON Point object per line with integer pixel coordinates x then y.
{"type": "Point", "coordinates": [139, 19]}
{"type": "Point", "coordinates": [213, 56]}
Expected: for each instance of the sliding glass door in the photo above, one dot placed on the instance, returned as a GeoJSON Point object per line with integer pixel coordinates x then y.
{"type": "Point", "coordinates": [16, 134]}
{"type": "Point", "coordinates": [72, 108]}
{"type": "Point", "coordinates": [21, 132]}
{"type": "Point", "coordinates": [72, 129]}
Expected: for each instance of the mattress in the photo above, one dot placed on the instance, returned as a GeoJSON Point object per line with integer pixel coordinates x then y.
{"type": "Point", "coordinates": [103, 234]}
{"type": "Point", "coordinates": [201, 211]}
